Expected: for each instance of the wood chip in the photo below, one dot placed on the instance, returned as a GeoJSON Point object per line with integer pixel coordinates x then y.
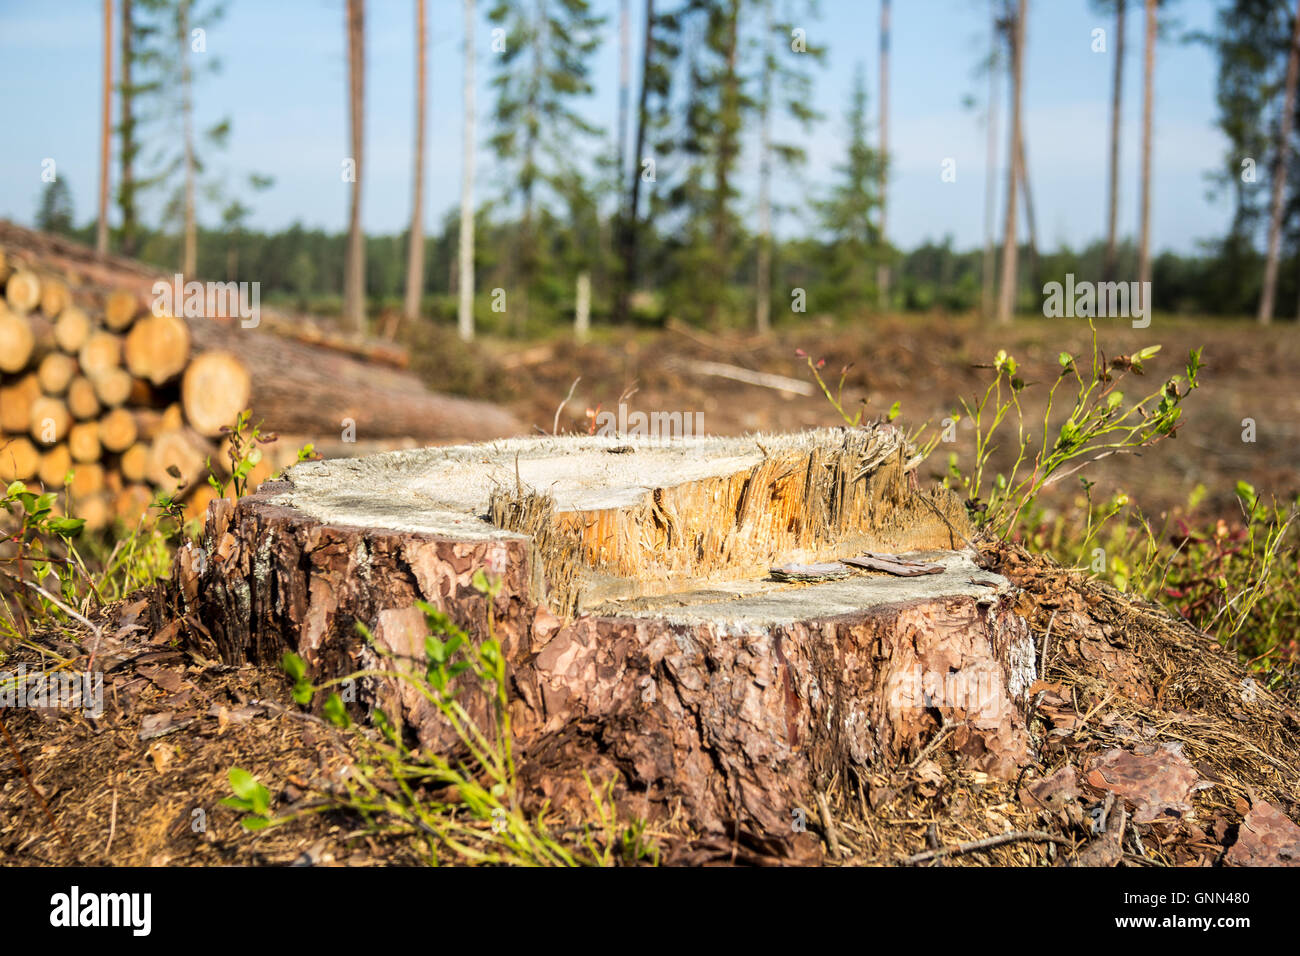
{"type": "Point", "coordinates": [893, 564]}
{"type": "Point", "coordinates": [828, 571]}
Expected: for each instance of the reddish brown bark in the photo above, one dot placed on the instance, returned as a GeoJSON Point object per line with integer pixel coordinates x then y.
{"type": "Point", "coordinates": [737, 722]}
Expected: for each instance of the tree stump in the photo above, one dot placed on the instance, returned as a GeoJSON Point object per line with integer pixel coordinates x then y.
{"type": "Point", "coordinates": [642, 626]}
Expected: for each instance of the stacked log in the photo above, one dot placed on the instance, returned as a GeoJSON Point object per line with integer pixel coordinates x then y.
{"type": "Point", "coordinates": [68, 405]}
{"type": "Point", "coordinates": [99, 382]}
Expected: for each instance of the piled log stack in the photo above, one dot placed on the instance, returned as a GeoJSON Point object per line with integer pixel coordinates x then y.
{"type": "Point", "coordinates": [113, 400]}
{"type": "Point", "coordinates": [98, 396]}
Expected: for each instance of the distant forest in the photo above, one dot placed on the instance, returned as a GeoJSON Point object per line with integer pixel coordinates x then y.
{"type": "Point", "coordinates": [649, 221]}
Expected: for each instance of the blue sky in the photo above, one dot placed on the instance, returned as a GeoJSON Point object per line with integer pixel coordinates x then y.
{"type": "Point", "coordinates": [283, 84]}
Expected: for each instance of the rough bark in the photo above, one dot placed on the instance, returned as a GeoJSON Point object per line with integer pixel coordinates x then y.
{"type": "Point", "coordinates": [304, 390]}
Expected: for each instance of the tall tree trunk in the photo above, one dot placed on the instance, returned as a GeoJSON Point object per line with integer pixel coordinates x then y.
{"type": "Point", "coordinates": [1031, 222]}
{"type": "Point", "coordinates": [354, 280]}
{"type": "Point", "coordinates": [1007, 292]}
{"type": "Point", "coordinates": [415, 245]}
{"type": "Point", "coordinates": [728, 148]}
{"type": "Point", "coordinates": [1116, 108]}
{"type": "Point", "coordinates": [1148, 115]}
{"type": "Point", "coordinates": [465, 313]}
{"type": "Point", "coordinates": [1279, 176]}
{"type": "Point", "coordinates": [632, 225]}
{"type": "Point", "coordinates": [127, 146]}
{"type": "Point", "coordinates": [105, 130]}
{"type": "Point", "coordinates": [582, 307]}
{"type": "Point", "coordinates": [189, 264]}
{"type": "Point", "coordinates": [882, 273]}
{"type": "Point", "coordinates": [624, 79]}
{"type": "Point", "coordinates": [991, 168]}
{"type": "Point", "coordinates": [527, 244]}
{"type": "Point", "coordinates": [763, 278]}
{"type": "Point", "coordinates": [622, 224]}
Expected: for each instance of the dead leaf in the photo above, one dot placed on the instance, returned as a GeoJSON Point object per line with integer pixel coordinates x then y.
{"type": "Point", "coordinates": [1154, 783]}
{"type": "Point", "coordinates": [161, 754]}
{"type": "Point", "coordinates": [1053, 792]}
{"type": "Point", "coordinates": [1267, 837]}
{"type": "Point", "coordinates": [158, 725]}
{"type": "Point", "coordinates": [164, 677]}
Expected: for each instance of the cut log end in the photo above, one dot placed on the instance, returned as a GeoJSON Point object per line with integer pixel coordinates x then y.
{"type": "Point", "coordinates": [55, 373]}
{"type": "Point", "coordinates": [72, 329]}
{"type": "Point", "coordinates": [55, 297]}
{"type": "Point", "coordinates": [117, 430]}
{"type": "Point", "coordinates": [23, 291]}
{"type": "Point", "coordinates": [120, 310]}
{"type": "Point", "coordinates": [100, 352]}
{"type": "Point", "coordinates": [19, 459]}
{"type": "Point", "coordinates": [16, 341]}
{"type": "Point", "coordinates": [157, 348]}
{"type": "Point", "coordinates": [215, 388]}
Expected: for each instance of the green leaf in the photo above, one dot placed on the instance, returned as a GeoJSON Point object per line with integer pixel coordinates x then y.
{"type": "Point", "coordinates": [247, 788]}
{"type": "Point", "coordinates": [1247, 493]}
{"type": "Point", "coordinates": [335, 712]}
{"type": "Point", "coordinates": [293, 665]}
{"type": "Point", "coordinates": [15, 489]}
{"type": "Point", "coordinates": [435, 650]}
{"type": "Point", "coordinates": [67, 527]}
{"type": "Point", "coordinates": [255, 823]}
{"type": "Point", "coordinates": [1114, 399]}
{"type": "Point", "coordinates": [302, 691]}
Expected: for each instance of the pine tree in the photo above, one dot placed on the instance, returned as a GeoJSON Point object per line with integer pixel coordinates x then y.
{"type": "Point", "coordinates": [171, 49]}
{"type": "Point", "coordinates": [785, 84]}
{"type": "Point", "coordinates": [128, 145]}
{"type": "Point", "coordinates": [543, 66]}
{"type": "Point", "coordinates": [850, 214]}
{"type": "Point", "coordinates": [703, 149]}
{"type": "Point", "coordinates": [55, 211]}
{"type": "Point", "coordinates": [659, 53]}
